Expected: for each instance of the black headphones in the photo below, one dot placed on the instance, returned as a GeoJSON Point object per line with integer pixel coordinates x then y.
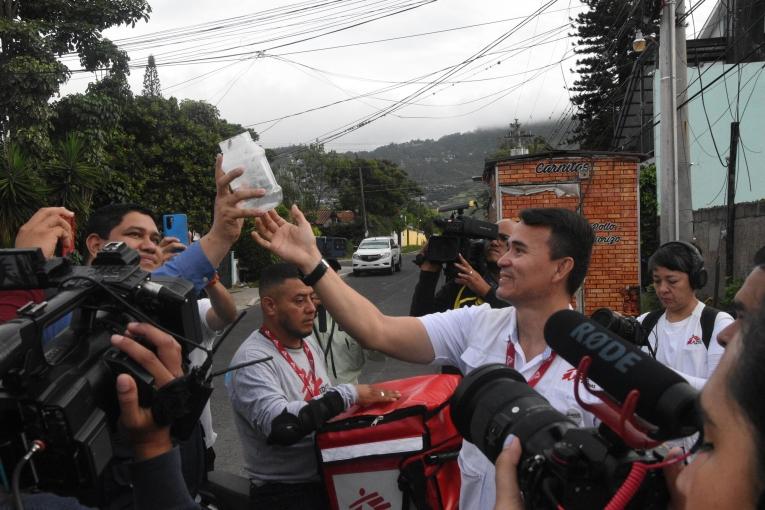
{"type": "Point", "coordinates": [698, 273]}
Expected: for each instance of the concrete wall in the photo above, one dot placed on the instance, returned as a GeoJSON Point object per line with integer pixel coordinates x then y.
{"type": "Point", "coordinates": [708, 224]}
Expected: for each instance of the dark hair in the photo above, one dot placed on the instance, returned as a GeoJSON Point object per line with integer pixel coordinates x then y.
{"type": "Point", "coordinates": [570, 236]}
{"type": "Point", "coordinates": [745, 383]}
{"type": "Point", "coordinates": [103, 220]}
{"type": "Point", "coordinates": [276, 274]}
{"type": "Point", "coordinates": [675, 256]}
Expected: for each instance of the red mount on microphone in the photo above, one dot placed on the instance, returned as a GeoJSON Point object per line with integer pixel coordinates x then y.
{"type": "Point", "coordinates": [620, 418]}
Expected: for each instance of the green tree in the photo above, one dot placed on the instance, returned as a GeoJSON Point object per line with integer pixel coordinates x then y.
{"type": "Point", "coordinates": [161, 153]}
{"type": "Point", "coordinates": [34, 34]}
{"type": "Point", "coordinates": [21, 192]}
{"type": "Point", "coordinates": [71, 177]}
{"type": "Point", "coordinates": [388, 191]}
{"type": "Point", "coordinates": [605, 32]}
{"type": "Point", "coordinates": [649, 219]}
{"type": "Point", "coordinates": [306, 176]}
{"type": "Point", "coordinates": [151, 85]}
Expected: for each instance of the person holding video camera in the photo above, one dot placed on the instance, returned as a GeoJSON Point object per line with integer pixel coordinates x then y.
{"type": "Point", "coordinates": [469, 287]}
{"type": "Point", "coordinates": [547, 261]}
{"type": "Point", "coordinates": [156, 472]}
{"type": "Point", "coordinates": [683, 335]}
{"type": "Point", "coordinates": [728, 470]}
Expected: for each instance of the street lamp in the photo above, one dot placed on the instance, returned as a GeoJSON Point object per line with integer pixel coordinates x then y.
{"type": "Point", "coordinates": [641, 42]}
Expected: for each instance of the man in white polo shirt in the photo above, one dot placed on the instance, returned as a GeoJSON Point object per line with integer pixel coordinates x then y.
{"type": "Point", "coordinates": [549, 253]}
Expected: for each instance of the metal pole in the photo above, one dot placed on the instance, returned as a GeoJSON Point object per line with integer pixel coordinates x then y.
{"type": "Point", "coordinates": [363, 203]}
{"type": "Point", "coordinates": [667, 127]}
{"type": "Point", "coordinates": [683, 202]}
{"type": "Point", "coordinates": [730, 225]}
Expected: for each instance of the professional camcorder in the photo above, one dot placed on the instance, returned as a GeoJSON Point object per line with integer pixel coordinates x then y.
{"type": "Point", "coordinates": [58, 369]}
{"type": "Point", "coordinates": [460, 235]}
{"type": "Point", "coordinates": [642, 403]}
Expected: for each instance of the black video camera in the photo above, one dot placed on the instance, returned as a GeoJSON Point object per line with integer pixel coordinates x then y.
{"type": "Point", "coordinates": [460, 236]}
{"type": "Point", "coordinates": [562, 465]}
{"type": "Point", "coordinates": [628, 328]}
{"type": "Point", "coordinates": [58, 369]}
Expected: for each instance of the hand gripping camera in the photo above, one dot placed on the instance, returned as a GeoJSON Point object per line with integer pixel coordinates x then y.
{"type": "Point", "coordinates": [58, 369]}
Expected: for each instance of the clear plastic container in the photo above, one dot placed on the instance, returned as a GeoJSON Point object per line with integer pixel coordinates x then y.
{"type": "Point", "coordinates": [242, 151]}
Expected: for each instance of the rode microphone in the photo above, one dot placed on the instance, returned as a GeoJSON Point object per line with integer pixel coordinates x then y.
{"type": "Point", "coordinates": [666, 399]}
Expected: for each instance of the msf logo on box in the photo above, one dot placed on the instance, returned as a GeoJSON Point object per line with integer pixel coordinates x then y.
{"type": "Point", "coordinates": [372, 490]}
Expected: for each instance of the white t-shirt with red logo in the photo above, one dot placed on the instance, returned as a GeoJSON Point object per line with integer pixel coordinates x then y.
{"type": "Point", "coordinates": [478, 335]}
{"type": "Point", "coordinates": [679, 345]}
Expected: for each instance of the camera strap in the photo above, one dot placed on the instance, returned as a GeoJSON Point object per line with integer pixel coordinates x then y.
{"type": "Point", "coordinates": [310, 383]}
{"type": "Point", "coordinates": [537, 376]}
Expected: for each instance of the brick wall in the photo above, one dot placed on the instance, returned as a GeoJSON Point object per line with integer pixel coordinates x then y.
{"type": "Point", "coordinates": [608, 190]}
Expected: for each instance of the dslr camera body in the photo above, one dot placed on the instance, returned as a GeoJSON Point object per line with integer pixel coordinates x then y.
{"type": "Point", "coordinates": [58, 369]}
{"type": "Point", "coordinates": [460, 236]}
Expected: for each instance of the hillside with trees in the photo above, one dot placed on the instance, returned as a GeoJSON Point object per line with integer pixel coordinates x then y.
{"type": "Point", "coordinates": [444, 167]}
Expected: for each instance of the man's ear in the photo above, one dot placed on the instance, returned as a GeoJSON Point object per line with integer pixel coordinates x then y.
{"type": "Point", "coordinates": [564, 268]}
{"type": "Point", "coordinates": [94, 242]}
{"type": "Point", "coordinates": [268, 306]}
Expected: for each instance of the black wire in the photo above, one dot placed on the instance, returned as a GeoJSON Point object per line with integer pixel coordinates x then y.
{"type": "Point", "coordinates": [359, 123]}
{"type": "Point", "coordinates": [398, 85]}
{"type": "Point", "coordinates": [706, 115]}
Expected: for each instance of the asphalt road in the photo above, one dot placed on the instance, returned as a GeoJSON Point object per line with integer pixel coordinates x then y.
{"type": "Point", "coordinates": [391, 293]}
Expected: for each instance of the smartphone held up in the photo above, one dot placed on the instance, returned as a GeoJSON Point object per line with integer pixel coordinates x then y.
{"type": "Point", "coordinates": [176, 225]}
{"type": "Point", "coordinates": [242, 151]}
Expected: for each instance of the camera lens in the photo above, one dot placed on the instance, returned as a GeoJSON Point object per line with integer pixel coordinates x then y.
{"type": "Point", "coordinates": [494, 401]}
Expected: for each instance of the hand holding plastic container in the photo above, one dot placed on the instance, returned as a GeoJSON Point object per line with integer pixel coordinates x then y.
{"type": "Point", "coordinates": [242, 151]}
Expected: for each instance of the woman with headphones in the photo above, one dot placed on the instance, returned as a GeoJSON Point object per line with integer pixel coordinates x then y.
{"type": "Point", "coordinates": [683, 336]}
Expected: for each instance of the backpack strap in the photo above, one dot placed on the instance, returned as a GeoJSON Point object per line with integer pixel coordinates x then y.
{"type": "Point", "coordinates": [708, 317]}
{"type": "Point", "coordinates": [650, 321]}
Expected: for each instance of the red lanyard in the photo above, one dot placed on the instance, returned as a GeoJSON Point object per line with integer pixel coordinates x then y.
{"type": "Point", "coordinates": [311, 385]}
{"type": "Point", "coordinates": [510, 361]}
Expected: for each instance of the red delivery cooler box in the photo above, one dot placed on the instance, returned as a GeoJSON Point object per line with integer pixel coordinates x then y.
{"type": "Point", "coordinates": [395, 455]}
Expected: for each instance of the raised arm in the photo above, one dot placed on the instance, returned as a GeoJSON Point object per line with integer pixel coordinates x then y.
{"type": "Point", "coordinates": [404, 338]}
{"type": "Point", "coordinates": [197, 263]}
{"type": "Point", "coordinates": [223, 310]}
{"type": "Point", "coordinates": [228, 218]}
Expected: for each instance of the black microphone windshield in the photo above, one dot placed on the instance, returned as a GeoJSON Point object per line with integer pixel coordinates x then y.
{"type": "Point", "coordinates": [666, 399]}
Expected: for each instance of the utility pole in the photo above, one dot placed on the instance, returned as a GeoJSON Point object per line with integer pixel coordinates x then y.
{"type": "Point", "coordinates": [363, 204]}
{"type": "Point", "coordinates": [684, 203]}
{"type": "Point", "coordinates": [674, 175]}
{"type": "Point", "coordinates": [731, 202]}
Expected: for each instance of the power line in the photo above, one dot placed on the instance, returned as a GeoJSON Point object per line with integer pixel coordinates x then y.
{"type": "Point", "coordinates": [332, 135]}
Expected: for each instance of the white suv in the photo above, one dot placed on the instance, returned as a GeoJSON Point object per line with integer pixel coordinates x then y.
{"type": "Point", "coordinates": [377, 253]}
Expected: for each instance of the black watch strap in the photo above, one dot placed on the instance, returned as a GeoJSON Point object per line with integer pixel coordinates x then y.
{"type": "Point", "coordinates": [314, 276]}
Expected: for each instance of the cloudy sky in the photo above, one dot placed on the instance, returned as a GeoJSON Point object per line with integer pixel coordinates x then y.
{"type": "Point", "coordinates": [298, 71]}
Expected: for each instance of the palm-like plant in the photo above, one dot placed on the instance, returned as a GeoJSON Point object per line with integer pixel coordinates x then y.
{"type": "Point", "coordinates": [73, 178]}
{"type": "Point", "coordinates": [21, 192]}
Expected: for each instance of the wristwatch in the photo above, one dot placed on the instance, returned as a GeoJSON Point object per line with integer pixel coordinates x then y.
{"type": "Point", "coordinates": [314, 276]}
